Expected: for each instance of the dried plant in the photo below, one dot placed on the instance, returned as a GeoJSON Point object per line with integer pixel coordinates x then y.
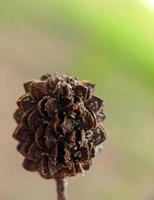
{"type": "Point", "coordinates": [59, 127]}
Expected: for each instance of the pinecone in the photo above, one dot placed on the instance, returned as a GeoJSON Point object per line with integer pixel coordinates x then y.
{"type": "Point", "coordinates": [59, 125]}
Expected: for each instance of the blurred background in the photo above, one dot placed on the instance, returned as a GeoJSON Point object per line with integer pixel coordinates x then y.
{"type": "Point", "coordinates": [108, 42]}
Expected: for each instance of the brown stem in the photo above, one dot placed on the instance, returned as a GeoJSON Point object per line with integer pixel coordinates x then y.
{"type": "Point", "coordinates": [61, 188]}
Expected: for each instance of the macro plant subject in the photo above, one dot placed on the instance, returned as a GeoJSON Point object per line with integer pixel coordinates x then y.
{"type": "Point", "coordinates": [59, 127]}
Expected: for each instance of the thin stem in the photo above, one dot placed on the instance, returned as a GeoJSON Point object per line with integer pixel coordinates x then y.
{"type": "Point", "coordinates": [61, 188]}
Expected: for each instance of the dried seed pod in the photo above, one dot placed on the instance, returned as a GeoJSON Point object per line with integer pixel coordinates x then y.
{"type": "Point", "coordinates": [30, 165]}
{"type": "Point", "coordinates": [99, 135]}
{"type": "Point", "coordinates": [59, 125]}
{"type": "Point", "coordinates": [26, 102]}
{"type": "Point", "coordinates": [18, 115]}
{"type": "Point", "coordinates": [43, 168]}
{"type": "Point", "coordinates": [94, 103]}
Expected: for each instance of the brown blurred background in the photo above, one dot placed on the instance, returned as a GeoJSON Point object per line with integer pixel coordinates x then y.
{"type": "Point", "coordinates": [110, 43]}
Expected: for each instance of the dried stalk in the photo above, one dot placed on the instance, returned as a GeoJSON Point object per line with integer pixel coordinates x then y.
{"type": "Point", "coordinates": [61, 188]}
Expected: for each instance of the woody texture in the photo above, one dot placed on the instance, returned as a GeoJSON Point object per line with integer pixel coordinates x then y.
{"type": "Point", "coordinates": [59, 127]}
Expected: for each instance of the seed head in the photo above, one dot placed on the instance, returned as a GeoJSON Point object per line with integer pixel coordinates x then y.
{"type": "Point", "coordinates": [59, 125]}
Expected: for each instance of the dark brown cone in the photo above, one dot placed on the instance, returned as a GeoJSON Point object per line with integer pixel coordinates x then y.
{"type": "Point", "coordinates": [59, 125]}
